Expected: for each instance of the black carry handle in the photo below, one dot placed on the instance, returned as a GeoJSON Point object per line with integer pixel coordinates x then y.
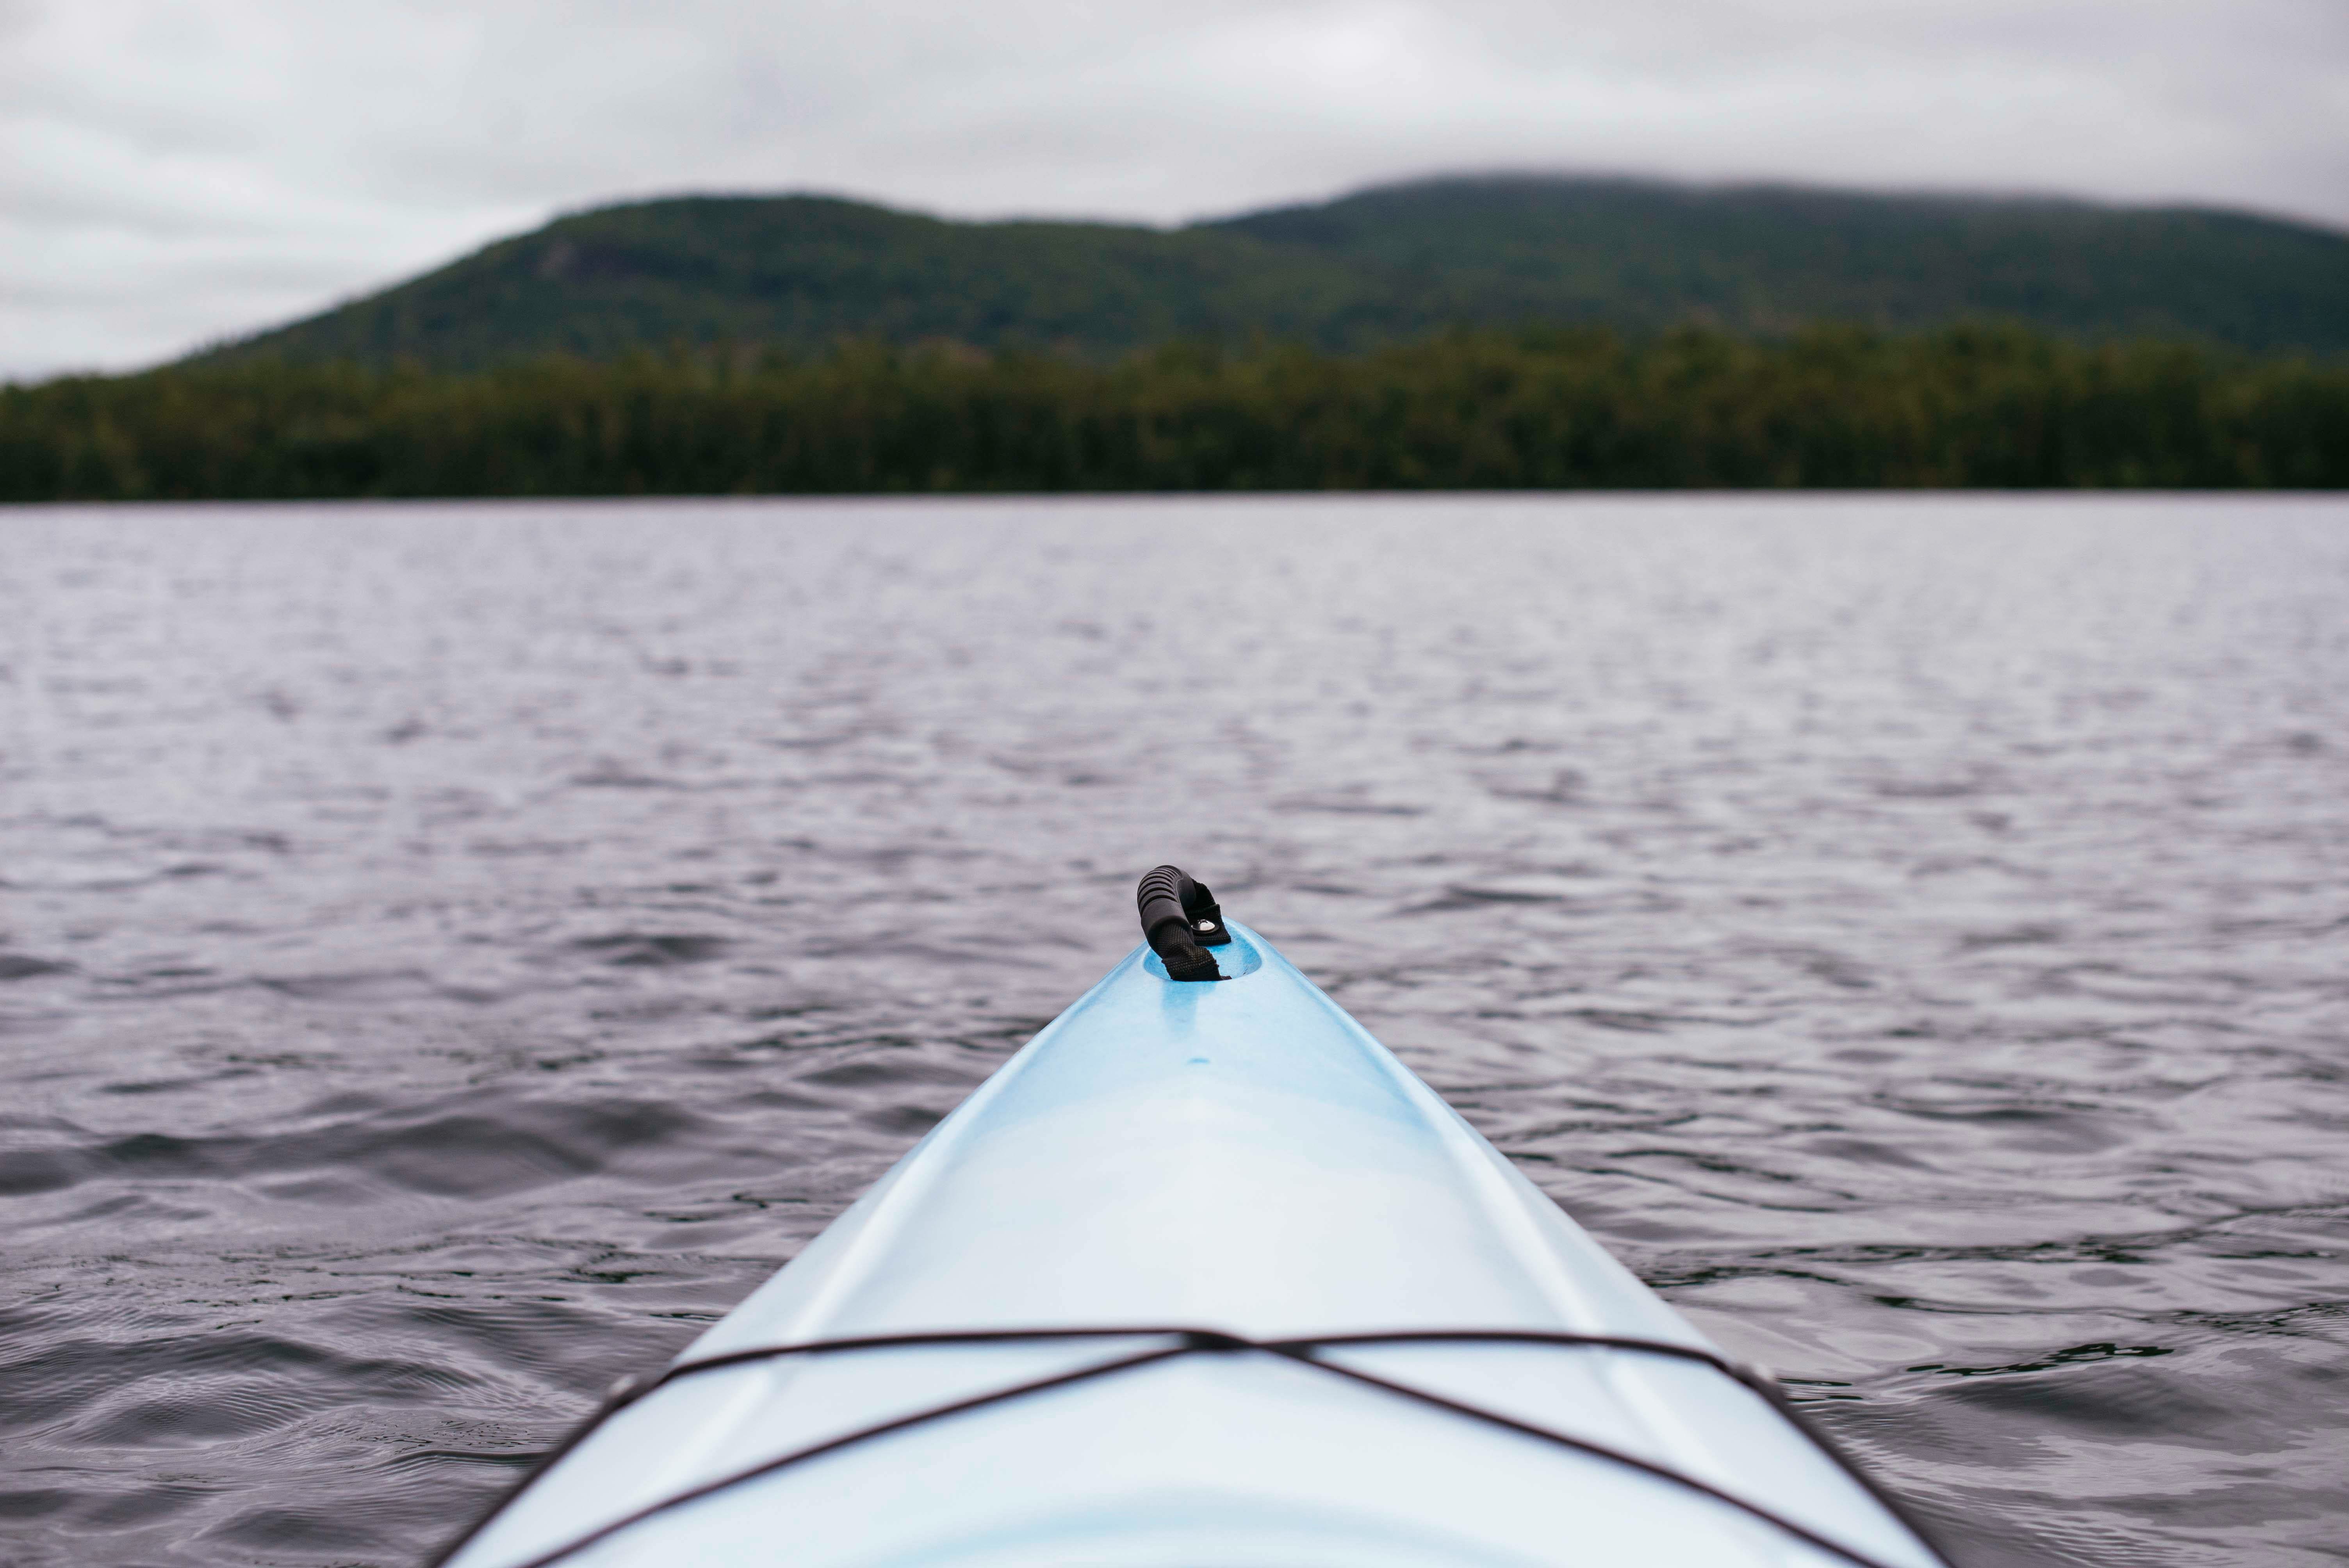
{"type": "Point", "coordinates": [1181, 920]}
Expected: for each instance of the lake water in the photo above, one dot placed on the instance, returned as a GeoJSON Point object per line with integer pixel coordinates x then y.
{"type": "Point", "coordinates": [448, 954]}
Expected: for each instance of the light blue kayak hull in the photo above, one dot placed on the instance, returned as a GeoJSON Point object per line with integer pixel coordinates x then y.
{"type": "Point", "coordinates": [1239, 1157]}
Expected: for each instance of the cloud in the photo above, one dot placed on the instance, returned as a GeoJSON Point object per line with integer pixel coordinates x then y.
{"type": "Point", "coordinates": [176, 171]}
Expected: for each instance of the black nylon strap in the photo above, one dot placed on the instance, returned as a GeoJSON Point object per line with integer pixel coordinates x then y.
{"type": "Point", "coordinates": [1192, 1341]}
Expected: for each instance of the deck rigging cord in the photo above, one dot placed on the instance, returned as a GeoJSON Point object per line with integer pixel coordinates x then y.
{"type": "Point", "coordinates": [1188, 1341]}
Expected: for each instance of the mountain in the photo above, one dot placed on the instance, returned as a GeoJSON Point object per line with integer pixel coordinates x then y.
{"type": "Point", "coordinates": [1388, 264]}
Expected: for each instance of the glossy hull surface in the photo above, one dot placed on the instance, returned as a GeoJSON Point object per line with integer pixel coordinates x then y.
{"type": "Point", "coordinates": [1239, 1156]}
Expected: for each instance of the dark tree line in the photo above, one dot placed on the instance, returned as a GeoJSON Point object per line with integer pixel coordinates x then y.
{"type": "Point", "coordinates": [1992, 406]}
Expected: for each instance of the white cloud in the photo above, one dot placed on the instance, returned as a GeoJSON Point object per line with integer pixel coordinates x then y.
{"type": "Point", "coordinates": [175, 170]}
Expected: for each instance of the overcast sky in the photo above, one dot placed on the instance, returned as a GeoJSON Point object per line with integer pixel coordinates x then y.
{"type": "Point", "coordinates": [176, 171]}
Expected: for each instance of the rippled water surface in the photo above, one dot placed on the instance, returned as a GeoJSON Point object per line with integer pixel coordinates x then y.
{"type": "Point", "coordinates": [448, 954]}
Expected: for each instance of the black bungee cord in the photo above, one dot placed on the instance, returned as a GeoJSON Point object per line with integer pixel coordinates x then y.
{"type": "Point", "coordinates": [1190, 1341]}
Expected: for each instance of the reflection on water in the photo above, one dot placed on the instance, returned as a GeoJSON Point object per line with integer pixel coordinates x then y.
{"type": "Point", "coordinates": [448, 955]}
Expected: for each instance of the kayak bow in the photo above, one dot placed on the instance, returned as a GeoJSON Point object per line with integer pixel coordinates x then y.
{"type": "Point", "coordinates": [1202, 1276]}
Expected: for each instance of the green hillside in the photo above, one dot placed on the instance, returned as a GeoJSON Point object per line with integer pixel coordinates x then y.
{"type": "Point", "coordinates": [1385, 265]}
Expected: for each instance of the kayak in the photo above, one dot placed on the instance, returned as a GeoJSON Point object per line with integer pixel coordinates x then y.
{"type": "Point", "coordinates": [1202, 1277]}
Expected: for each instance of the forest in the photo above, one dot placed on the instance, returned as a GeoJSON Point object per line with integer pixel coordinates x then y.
{"type": "Point", "coordinates": [1827, 407]}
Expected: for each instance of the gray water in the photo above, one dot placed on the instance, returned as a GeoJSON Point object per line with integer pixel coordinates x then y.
{"type": "Point", "coordinates": [448, 954]}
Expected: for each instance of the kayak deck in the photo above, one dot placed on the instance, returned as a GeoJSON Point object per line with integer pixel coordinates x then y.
{"type": "Point", "coordinates": [1244, 1160]}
